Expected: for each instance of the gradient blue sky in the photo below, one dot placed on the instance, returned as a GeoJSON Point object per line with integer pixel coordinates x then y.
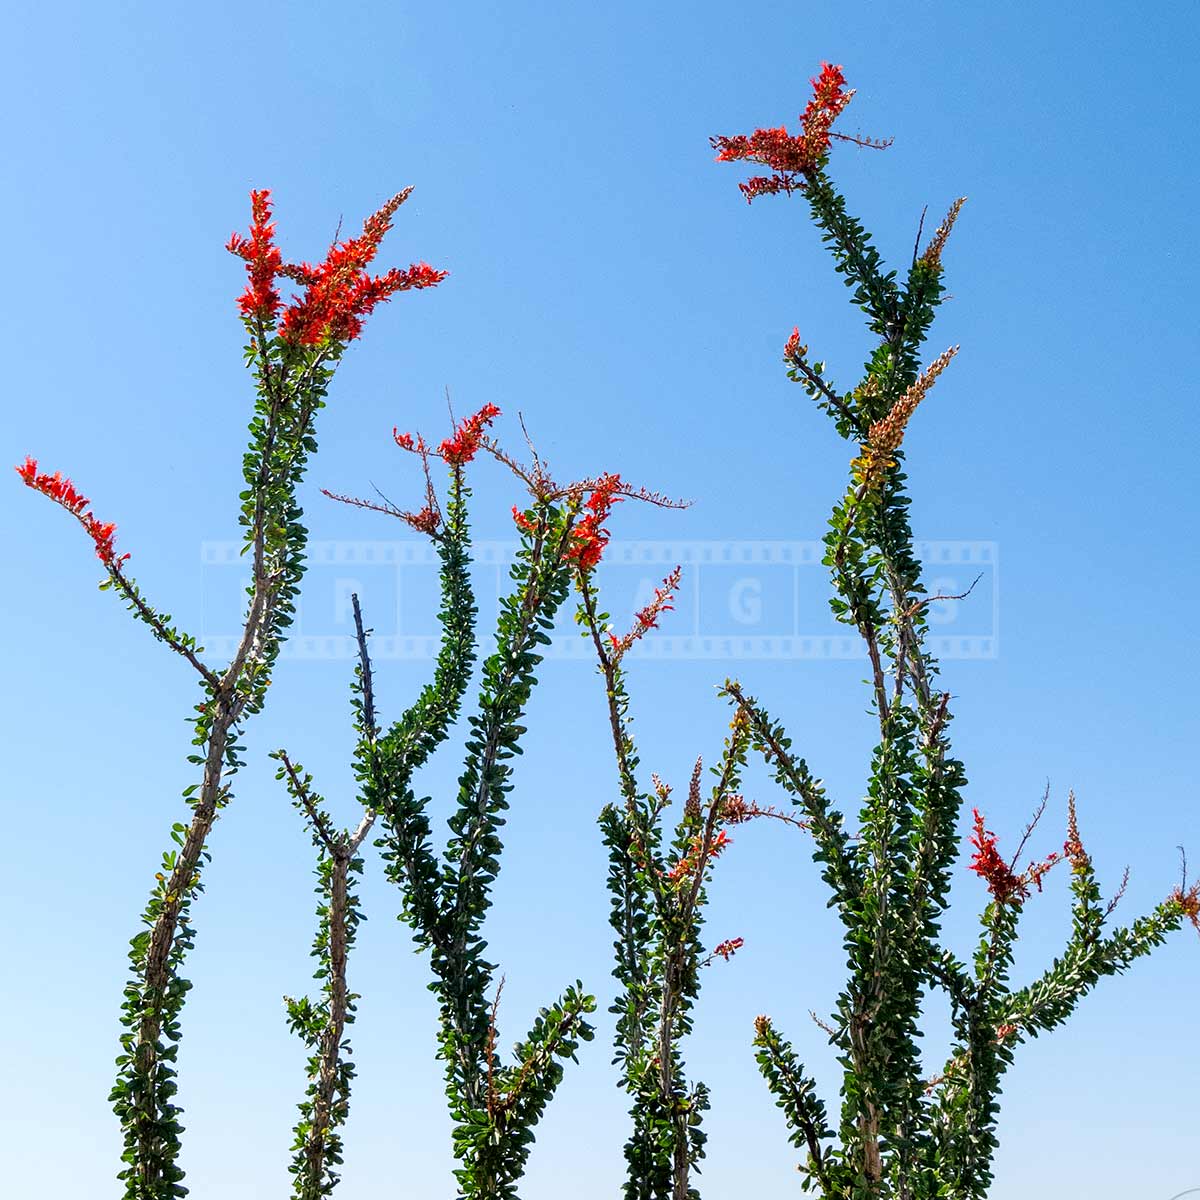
{"type": "Point", "coordinates": [609, 282]}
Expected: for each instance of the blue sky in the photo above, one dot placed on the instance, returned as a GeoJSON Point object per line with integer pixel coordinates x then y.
{"type": "Point", "coordinates": [608, 282]}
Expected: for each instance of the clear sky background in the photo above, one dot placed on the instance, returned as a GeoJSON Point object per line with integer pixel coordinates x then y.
{"type": "Point", "coordinates": [608, 281]}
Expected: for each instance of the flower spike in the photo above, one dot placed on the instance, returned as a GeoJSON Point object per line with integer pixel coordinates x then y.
{"type": "Point", "coordinates": [62, 491]}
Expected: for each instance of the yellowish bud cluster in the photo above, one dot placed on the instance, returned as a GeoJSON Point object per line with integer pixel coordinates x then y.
{"type": "Point", "coordinates": [887, 433]}
{"type": "Point", "coordinates": [937, 243]}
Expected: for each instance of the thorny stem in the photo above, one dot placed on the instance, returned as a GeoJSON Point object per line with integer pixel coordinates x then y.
{"type": "Point", "coordinates": [609, 670]}
{"type": "Point", "coordinates": [160, 627]}
{"type": "Point", "coordinates": [675, 907]}
{"type": "Point", "coordinates": [329, 1050]}
{"type": "Point", "coordinates": [224, 708]}
{"type": "Point", "coordinates": [531, 605]}
{"type": "Point", "coordinates": [818, 381]}
{"type": "Point", "coordinates": [157, 972]}
{"type": "Point", "coordinates": [341, 848]}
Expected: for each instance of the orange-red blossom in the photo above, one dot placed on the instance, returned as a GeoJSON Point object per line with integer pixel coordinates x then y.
{"type": "Point", "coordinates": [697, 856]}
{"type": "Point", "coordinates": [338, 293]}
{"type": "Point", "coordinates": [791, 157]}
{"type": "Point", "coordinates": [1005, 883]}
{"type": "Point", "coordinates": [62, 491]}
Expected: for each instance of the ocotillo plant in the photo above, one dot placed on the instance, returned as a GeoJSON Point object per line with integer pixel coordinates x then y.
{"type": "Point", "coordinates": [899, 1134]}
{"type": "Point", "coordinates": [495, 1105]}
{"type": "Point", "coordinates": [658, 894]}
{"type": "Point", "coordinates": [317, 1148]}
{"type": "Point", "coordinates": [293, 350]}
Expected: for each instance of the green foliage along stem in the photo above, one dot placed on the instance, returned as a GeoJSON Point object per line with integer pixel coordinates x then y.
{"type": "Point", "coordinates": [495, 1104]}
{"type": "Point", "coordinates": [321, 1024]}
{"type": "Point", "coordinates": [317, 1147]}
{"type": "Point", "coordinates": [658, 894]}
{"type": "Point", "coordinates": [293, 350]}
{"type": "Point", "coordinates": [292, 383]}
{"type": "Point", "coordinates": [898, 1133]}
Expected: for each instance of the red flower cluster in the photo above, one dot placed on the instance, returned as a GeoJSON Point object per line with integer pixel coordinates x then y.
{"type": "Point", "coordinates": [647, 618]}
{"type": "Point", "coordinates": [62, 491]}
{"type": "Point", "coordinates": [1002, 881]}
{"type": "Point", "coordinates": [790, 157]}
{"type": "Point", "coordinates": [524, 523]}
{"type": "Point", "coordinates": [464, 445]}
{"type": "Point", "coordinates": [263, 261]}
{"type": "Point", "coordinates": [792, 347]}
{"type": "Point", "coordinates": [1005, 884]}
{"type": "Point", "coordinates": [589, 537]}
{"type": "Point", "coordinates": [696, 857]}
{"type": "Point", "coordinates": [727, 949]}
{"type": "Point", "coordinates": [339, 292]}
{"type": "Point", "coordinates": [406, 441]}
{"type": "Point", "coordinates": [459, 448]}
